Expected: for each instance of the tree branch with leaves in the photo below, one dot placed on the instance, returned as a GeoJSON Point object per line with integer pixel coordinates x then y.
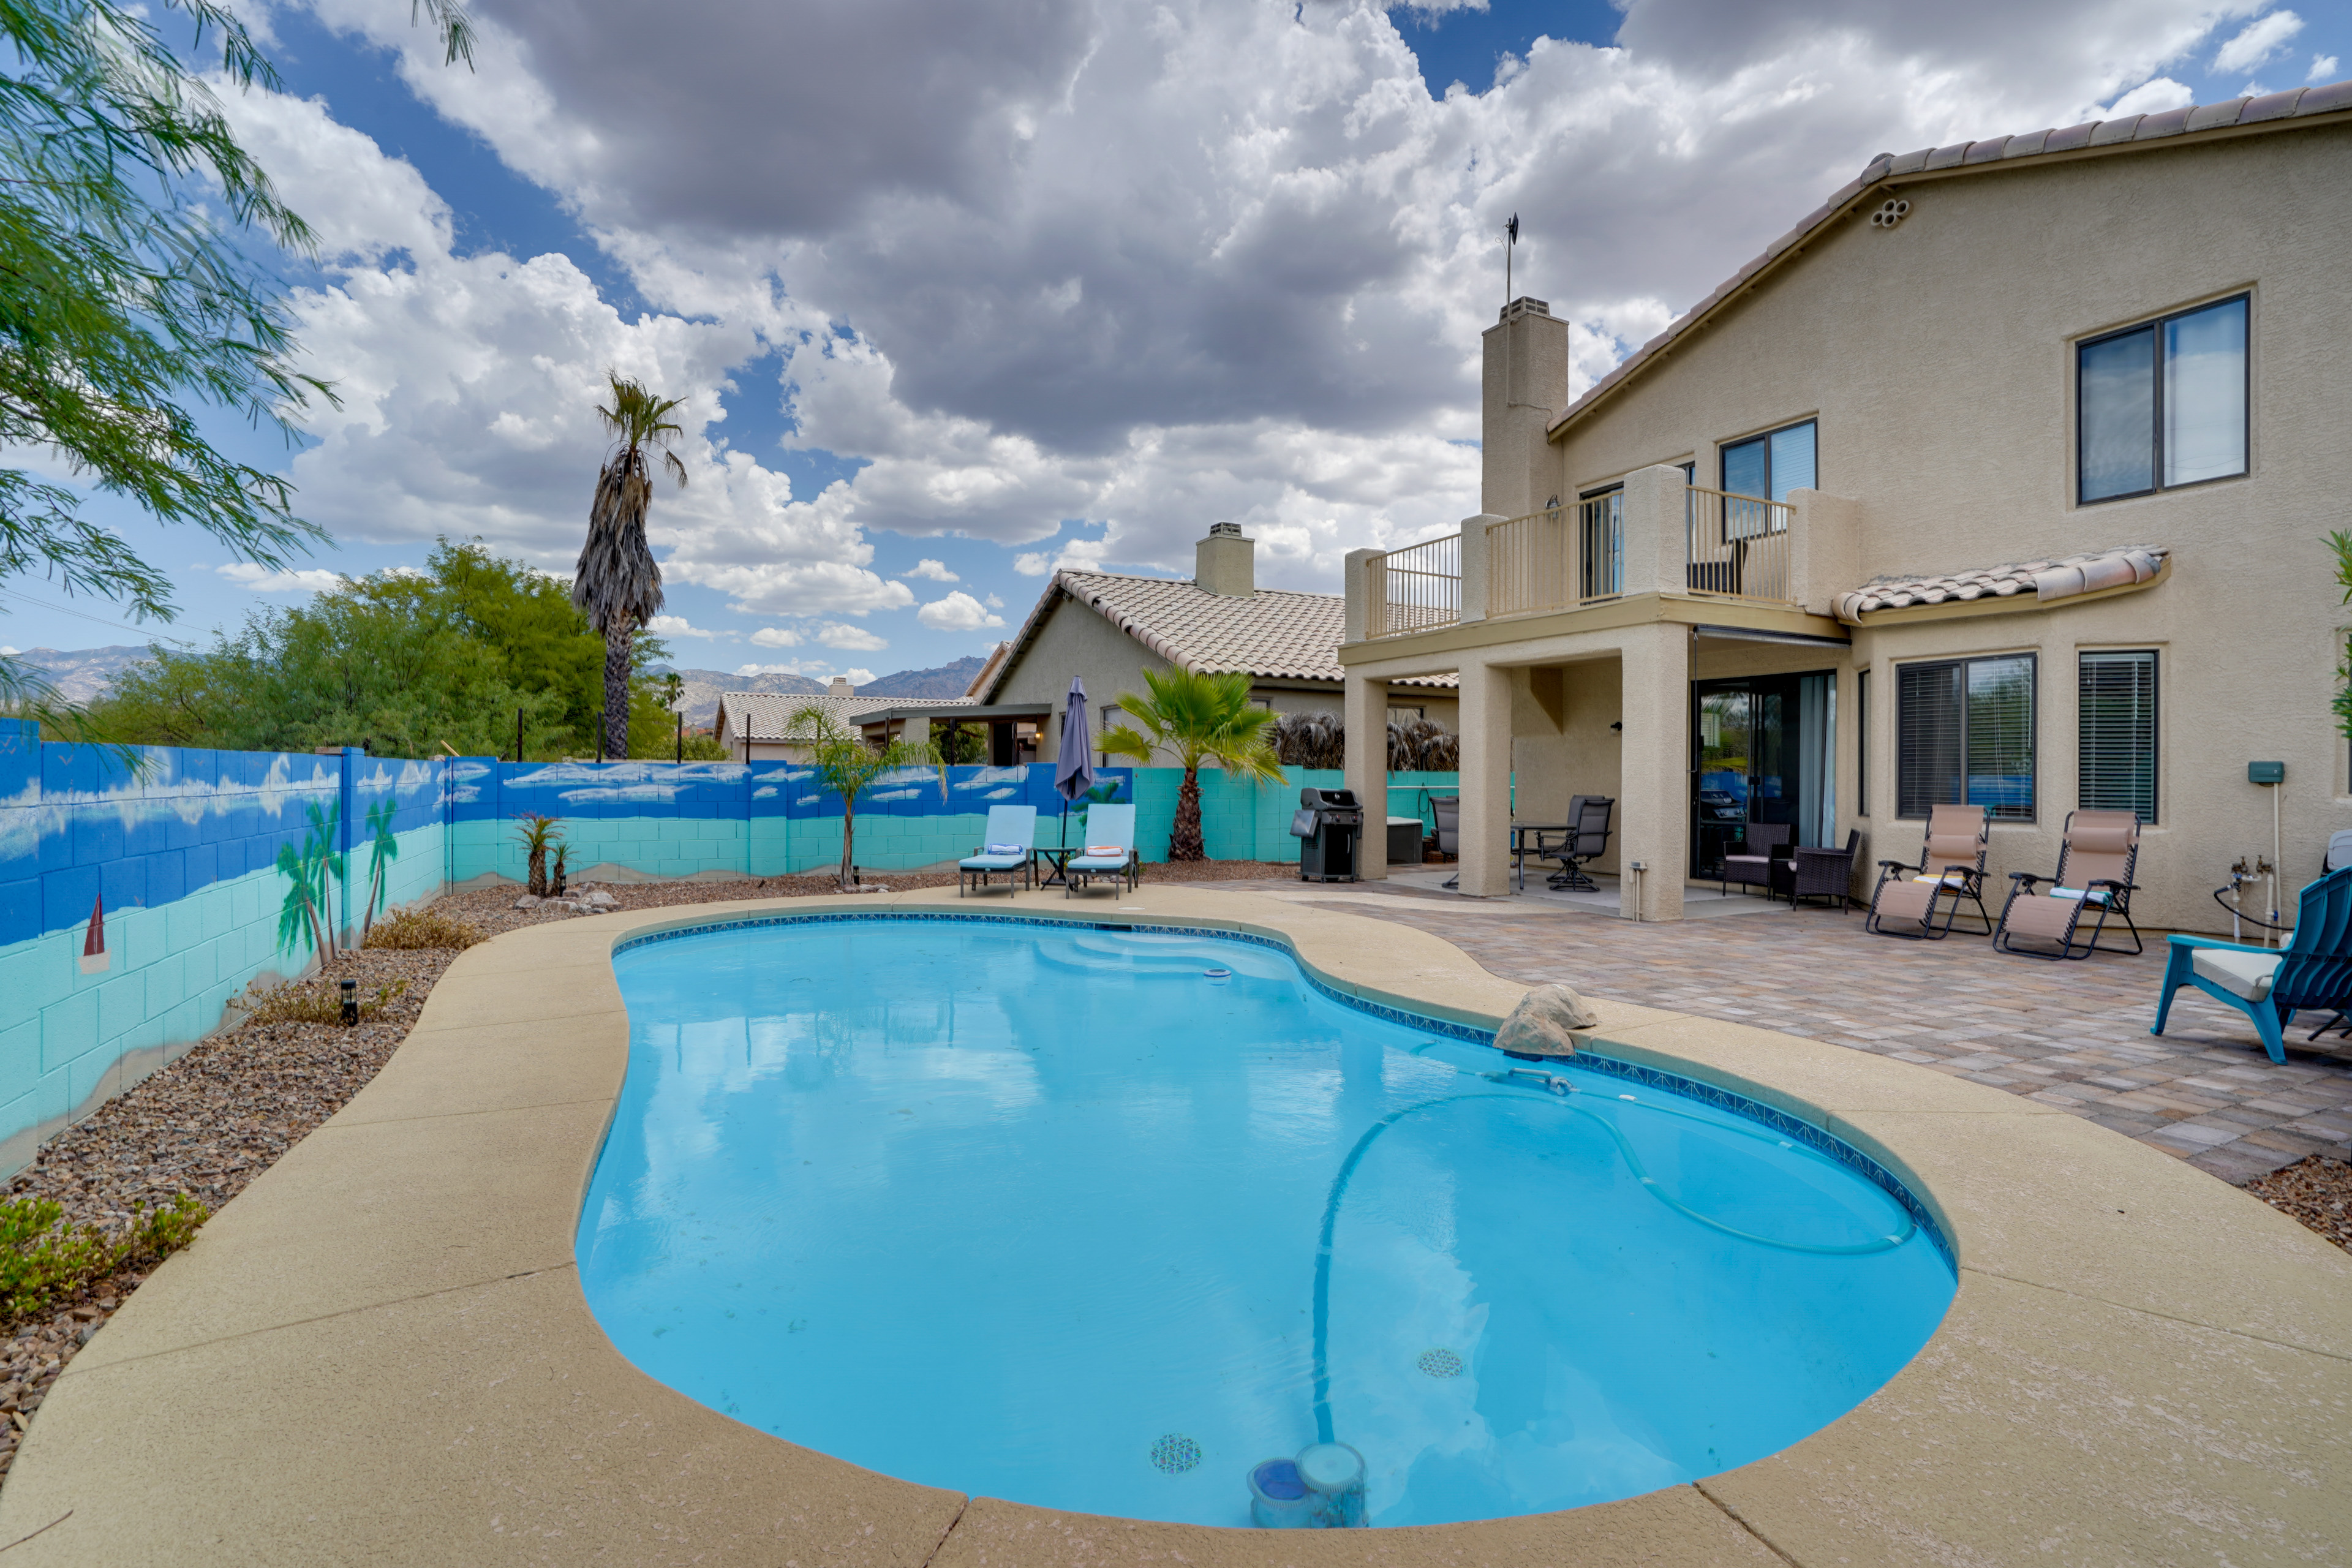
{"type": "Point", "coordinates": [618, 586]}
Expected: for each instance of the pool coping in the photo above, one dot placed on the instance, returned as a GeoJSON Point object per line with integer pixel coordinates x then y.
{"type": "Point", "coordinates": [380, 1351]}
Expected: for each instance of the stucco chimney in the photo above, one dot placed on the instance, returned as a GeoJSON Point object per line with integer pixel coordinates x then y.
{"type": "Point", "coordinates": [1524, 388]}
{"type": "Point", "coordinates": [1226, 561]}
{"type": "Point", "coordinates": [840, 686]}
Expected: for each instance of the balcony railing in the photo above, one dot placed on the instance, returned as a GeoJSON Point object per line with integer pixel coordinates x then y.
{"type": "Point", "coordinates": [1527, 563]}
{"type": "Point", "coordinates": [1415, 589]}
{"type": "Point", "coordinates": [1601, 533]}
{"type": "Point", "coordinates": [1738, 546]}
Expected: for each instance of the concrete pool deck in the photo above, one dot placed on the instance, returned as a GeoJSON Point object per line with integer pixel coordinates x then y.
{"type": "Point", "coordinates": [379, 1353]}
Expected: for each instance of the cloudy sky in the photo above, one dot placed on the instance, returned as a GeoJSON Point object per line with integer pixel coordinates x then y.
{"type": "Point", "coordinates": [957, 290]}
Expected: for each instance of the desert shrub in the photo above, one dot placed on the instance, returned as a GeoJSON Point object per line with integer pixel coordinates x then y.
{"type": "Point", "coordinates": [318, 1002]}
{"type": "Point", "coordinates": [43, 1260]}
{"type": "Point", "coordinates": [412, 929]}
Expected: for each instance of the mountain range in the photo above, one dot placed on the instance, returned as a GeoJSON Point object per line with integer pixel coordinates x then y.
{"type": "Point", "coordinates": [83, 675]}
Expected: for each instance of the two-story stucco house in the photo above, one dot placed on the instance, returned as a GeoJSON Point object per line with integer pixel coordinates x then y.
{"type": "Point", "coordinates": [2003, 479]}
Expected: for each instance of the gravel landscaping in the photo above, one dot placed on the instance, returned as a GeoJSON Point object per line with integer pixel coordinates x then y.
{"type": "Point", "coordinates": [2316, 1191]}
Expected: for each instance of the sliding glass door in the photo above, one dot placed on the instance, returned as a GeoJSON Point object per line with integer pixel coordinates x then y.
{"type": "Point", "coordinates": [1761, 749]}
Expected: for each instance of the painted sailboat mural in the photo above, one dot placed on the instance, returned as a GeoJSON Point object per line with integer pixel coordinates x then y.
{"type": "Point", "coordinates": [93, 940]}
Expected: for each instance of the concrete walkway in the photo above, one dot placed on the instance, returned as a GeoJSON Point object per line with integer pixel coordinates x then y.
{"type": "Point", "coordinates": [2071, 1035]}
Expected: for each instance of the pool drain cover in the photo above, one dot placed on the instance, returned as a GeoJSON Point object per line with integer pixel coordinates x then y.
{"type": "Point", "coordinates": [1440, 1363]}
{"type": "Point", "coordinates": [1175, 1453]}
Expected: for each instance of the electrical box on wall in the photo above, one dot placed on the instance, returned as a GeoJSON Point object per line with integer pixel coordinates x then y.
{"type": "Point", "coordinates": [2266, 772]}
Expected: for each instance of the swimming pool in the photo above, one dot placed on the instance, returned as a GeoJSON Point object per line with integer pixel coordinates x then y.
{"type": "Point", "coordinates": [1054, 1213]}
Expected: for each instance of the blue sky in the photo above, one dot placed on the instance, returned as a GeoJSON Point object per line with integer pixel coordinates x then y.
{"type": "Point", "coordinates": [1062, 283]}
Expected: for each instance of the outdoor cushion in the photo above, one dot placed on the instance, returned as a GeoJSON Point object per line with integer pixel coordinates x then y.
{"type": "Point", "coordinates": [2096, 896]}
{"type": "Point", "coordinates": [993, 860]}
{"type": "Point", "coordinates": [1106, 852]}
{"type": "Point", "coordinates": [1004, 849]}
{"type": "Point", "coordinates": [2239, 972]}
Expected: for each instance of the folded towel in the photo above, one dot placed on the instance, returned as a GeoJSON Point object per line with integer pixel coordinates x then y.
{"type": "Point", "coordinates": [1104, 851]}
{"type": "Point", "coordinates": [1004, 849]}
{"type": "Point", "coordinates": [2100, 897]}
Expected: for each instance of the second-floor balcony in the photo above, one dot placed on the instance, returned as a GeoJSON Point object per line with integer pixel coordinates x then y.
{"type": "Point", "coordinates": [1655, 536]}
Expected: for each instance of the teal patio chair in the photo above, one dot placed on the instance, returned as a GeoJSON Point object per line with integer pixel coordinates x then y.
{"type": "Point", "coordinates": [2268, 984]}
{"type": "Point", "coordinates": [1109, 849]}
{"type": "Point", "coordinates": [1011, 834]}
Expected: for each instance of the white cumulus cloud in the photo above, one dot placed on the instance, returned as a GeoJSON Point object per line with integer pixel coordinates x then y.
{"type": "Point", "coordinates": [678, 626]}
{"type": "Point", "coordinates": [776, 637]}
{"type": "Point", "coordinates": [855, 639]}
{"type": "Point", "coordinates": [934, 571]}
{"type": "Point", "coordinates": [2322, 69]}
{"type": "Point", "coordinates": [2258, 42]}
{"type": "Point", "coordinates": [959, 612]}
{"type": "Point", "coordinates": [266, 580]}
{"type": "Point", "coordinates": [2148, 97]}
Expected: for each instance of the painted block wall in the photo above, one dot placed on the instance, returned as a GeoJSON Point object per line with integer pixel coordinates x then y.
{"type": "Point", "coordinates": [176, 852]}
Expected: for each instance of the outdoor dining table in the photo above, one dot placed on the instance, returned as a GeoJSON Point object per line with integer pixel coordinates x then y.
{"type": "Point", "coordinates": [1521, 846]}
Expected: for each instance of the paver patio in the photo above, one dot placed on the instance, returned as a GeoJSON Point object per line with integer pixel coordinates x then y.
{"type": "Point", "coordinates": [2073, 1034]}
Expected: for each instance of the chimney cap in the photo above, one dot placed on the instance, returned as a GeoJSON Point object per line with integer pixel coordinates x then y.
{"type": "Point", "coordinates": [1233, 529]}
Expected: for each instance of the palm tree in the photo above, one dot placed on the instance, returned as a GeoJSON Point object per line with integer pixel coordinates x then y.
{"type": "Point", "coordinates": [1200, 718]}
{"type": "Point", "coordinates": [618, 586]}
{"type": "Point", "coordinates": [384, 849]}
{"type": "Point", "coordinates": [845, 765]}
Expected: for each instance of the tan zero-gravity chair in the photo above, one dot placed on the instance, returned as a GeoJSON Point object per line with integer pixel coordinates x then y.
{"type": "Point", "coordinates": [1951, 867]}
{"type": "Point", "coordinates": [2096, 862]}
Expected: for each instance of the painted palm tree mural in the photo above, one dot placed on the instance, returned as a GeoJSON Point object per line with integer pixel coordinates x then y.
{"type": "Point", "coordinates": [315, 870]}
{"type": "Point", "coordinates": [311, 873]}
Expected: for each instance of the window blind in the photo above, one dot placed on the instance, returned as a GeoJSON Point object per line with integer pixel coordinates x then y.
{"type": "Point", "coordinates": [1926, 737]}
{"type": "Point", "coordinates": [1964, 736]}
{"type": "Point", "coordinates": [2117, 767]}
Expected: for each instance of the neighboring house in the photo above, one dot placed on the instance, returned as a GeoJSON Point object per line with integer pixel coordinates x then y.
{"type": "Point", "coordinates": [1108, 630]}
{"type": "Point", "coordinates": [757, 726]}
{"type": "Point", "coordinates": [2044, 435]}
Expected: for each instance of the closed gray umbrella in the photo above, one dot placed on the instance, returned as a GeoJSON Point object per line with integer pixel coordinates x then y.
{"type": "Point", "coordinates": [1074, 770]}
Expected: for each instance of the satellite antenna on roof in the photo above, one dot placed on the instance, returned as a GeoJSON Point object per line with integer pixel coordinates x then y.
{"type": "Point", "coordinates": [1510, 240]}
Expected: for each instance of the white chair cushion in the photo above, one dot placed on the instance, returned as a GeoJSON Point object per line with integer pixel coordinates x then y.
{"type": "Point", "coordinates": [2239, 973]}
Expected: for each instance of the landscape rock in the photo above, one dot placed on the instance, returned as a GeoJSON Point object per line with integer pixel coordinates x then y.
{"type": "Point", "coordinates": [529, 901]}
{"type": "Point", "coordinates": [1540, 1024]}
{"type": "Point", "coordinates": [601, 898]}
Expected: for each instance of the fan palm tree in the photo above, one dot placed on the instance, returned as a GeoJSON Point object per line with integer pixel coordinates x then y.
{"type": "Point", "coordinates": [1200, 719]}
{"type": "Point", "coordinates": [618, 586]}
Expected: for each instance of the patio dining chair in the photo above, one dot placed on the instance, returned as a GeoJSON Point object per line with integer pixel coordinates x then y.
{"type": "Point", "coordinates": [1004, 848]}
{"type": "Point", "coordinates": [2269, 985]}
{"type": "Point", "coordinates": [1951, 867]}
{"type": "Point", "coordinates": [1760, 848]}
{"type": "Point", "coordinates": [1110, 850]}
{"type": "Point", "coordinates": [1586, 840]}
{"type": "Point", "coordinates": [2095, 861]}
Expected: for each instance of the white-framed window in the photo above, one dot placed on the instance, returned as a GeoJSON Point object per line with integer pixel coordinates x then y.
{"type": "Point", "coordinates": [2117, 742]}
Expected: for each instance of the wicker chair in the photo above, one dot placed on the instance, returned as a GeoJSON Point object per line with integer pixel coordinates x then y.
{"type": "Point", "coordinates": [1760, 848]}
{"type": "Point", "coordinates": [1812, 872]}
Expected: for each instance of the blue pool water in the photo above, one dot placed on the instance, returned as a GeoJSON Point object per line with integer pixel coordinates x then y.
{"type": "Point", "coordinates": [1052, 1215]}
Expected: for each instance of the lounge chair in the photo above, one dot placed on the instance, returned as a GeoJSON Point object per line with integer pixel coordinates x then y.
{"type": "Point", "coordinates": [2095, 861]}
{"type": "Point", "coordinates": [1951, 867]}
{"type": "Point", "coordinates": [1011, 832]}
{"type": "Point", "coordinates": [1109, 849]}
{"type": "Point", "coordinates": [1813, 872]}
{"type": "Point", "coordinates": [1586, 840]}
{"type": "Point", "coordinates": [2268, 984]}
{"type": "Point", "coordinates": [1759, 847]}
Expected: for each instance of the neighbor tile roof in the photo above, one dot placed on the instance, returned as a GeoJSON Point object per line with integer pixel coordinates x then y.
{"type": "Point", "coordinates": [768, 712]}
{"type": "Point", "coordinates": [2297, 103]}
{"type": "Point", "coordinates": [1272, 634]}
{"type": "Point", "coordinates": [2045, 580]}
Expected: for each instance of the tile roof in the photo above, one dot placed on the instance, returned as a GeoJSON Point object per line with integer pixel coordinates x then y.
{"type": "Point", "coordinates": [2136, 130]}
{"type": "Point", "coordinates": [1273, 634]}
{"type": "Point", "coordinates": [767, 712]}
{"type": "Point", "coordinates": [2046, 580]}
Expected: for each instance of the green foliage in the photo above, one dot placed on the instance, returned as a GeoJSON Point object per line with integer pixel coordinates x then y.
{"type": "Point", "coordinates": [708, 749]}
{"type": "Point", "coordinates": [617, 585]}
{"type": "Point", "coordinates": [960, 743]}
{"type": "Point", "coordinates": [401, 664]}
{"type": "Point", "coordinates": [1200, 718]}
{"type": "Point", "coordinates": [128, 303]}
{"type": "Point", "coordinates": [384, 849]}
{"type": "Point", "coordinates": [307, 914]}
{"type": "Point", "coordinates": [847, 766]}
{"type": "Point", "coordinates": [42, 1260]}
{"type": "Point", "coordinates": [2341, 543]}
{"type": "Point", "coordinates": [538, 834]}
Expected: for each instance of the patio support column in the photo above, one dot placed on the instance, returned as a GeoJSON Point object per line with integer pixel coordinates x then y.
{"type": "Point", "coordinates": [1654, 773]}
{"type": "Point", "coordinates": [1486, 781]}
{"type": "Point", "coordinates": [1366, 717]}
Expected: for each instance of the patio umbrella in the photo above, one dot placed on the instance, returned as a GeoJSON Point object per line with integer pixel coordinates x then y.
{"type": "Point", "coordinates": [1074, 770]}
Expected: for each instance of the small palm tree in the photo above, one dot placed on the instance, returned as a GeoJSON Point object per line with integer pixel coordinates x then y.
{"type": "Point", "coordinates": [845, 765]}
{"type": "Point", "coordinates": [618, 586]}
{"type": "Point", "coordinates": [537, 835]}
{"type": "Point", "coordinates": [1200, 719]}
{"type": "Point", "coordinates": [310, 874]}
{"type": "Point", "coordinates": [384, 849]}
